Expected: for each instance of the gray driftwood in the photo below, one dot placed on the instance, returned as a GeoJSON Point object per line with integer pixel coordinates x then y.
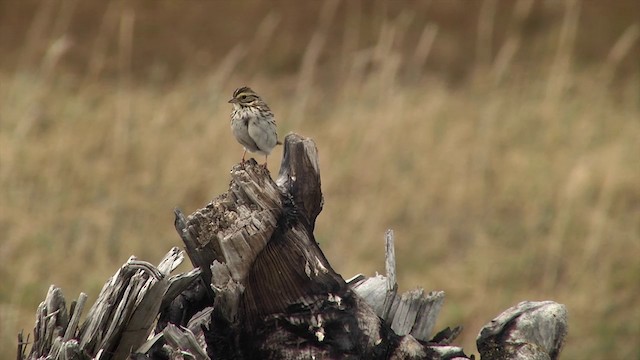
{"type": "Point", "coordinates": [276, 295]}
{"type": "Point", "coordinates": [529, 330]}
{"type": "Point", "coordinates": [262, 288]}
{"type": "Point", "coordinates": [120, 320]}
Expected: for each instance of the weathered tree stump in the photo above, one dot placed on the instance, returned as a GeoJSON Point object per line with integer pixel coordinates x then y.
{"type": "Point", "coordinates": [262, 288]}
{"type": "Point", "coordinates": [276, 295]}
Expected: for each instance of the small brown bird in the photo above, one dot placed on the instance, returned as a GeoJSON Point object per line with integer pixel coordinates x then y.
{"type": "Point", "coordinates": [253, 123]}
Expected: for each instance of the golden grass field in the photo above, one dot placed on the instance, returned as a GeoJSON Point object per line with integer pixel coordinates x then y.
{"type": "Point", "coordinates": [518, 181]}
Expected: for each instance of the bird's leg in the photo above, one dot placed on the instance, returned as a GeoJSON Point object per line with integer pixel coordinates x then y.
{"type": "Point", "coordinates": [265, 161]}
{"type": "Point", "coordinates": [243, 155]}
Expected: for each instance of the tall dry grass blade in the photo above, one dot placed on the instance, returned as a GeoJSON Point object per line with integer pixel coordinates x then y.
{"type": "Point", "coordinates": [260, 45]}
{"type": "Point", "coordinates": [484, 42]}
{"type": "Point", "coordinates": [391, 63]}
{"type": "Point", "coordinates": [565, 211]}
{"type": "Point", "coordinates": [37, 33]}
{"type": "Point", "coordinates": [423, 49]}
{"type": "Point", "coordinates": [507, 51]}
{"type": "Point", "coordinates": [100, 46]}
{"type": "Point", "coordinates": [350, 37]}
{"type": "Point", "coordinates": [618, 51]}
{"type": "Point", "coordinates": [310, 59]}
{"type": "Point", "coordinates": [31, 112]}
{"type": "Point", "coordinates": [226, 68]}
{"type": "Point", "coordinates": [504, 59]}
{"type": "Point", "coordinates": [522, 10]}
{"type": "Point", "coordinates": [595, 243]}
{"type": "Point", "coordinates": [402, 23]}
{"type": "Point", "coordinates": [385, 42]}
{"type": "Point", "coordinates": [386, 59]}
{"type": "Point", "coordinates": [558, 74]}
{"type": "Point", "coordinates": [52, 57]}
{"type": "Point", "coordinates": [357, 71]}
{"type": "Point", "coordinates": [25, 96]}
{"type": "Point", "coordinates": [63, 18]}
{"type": "Point", "coordinates": [483, 154]}
{"type": "Point", "coordinates": [122, 121]}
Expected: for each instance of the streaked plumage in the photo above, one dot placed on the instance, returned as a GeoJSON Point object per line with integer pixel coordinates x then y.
{"type": "Point", "coordinates": [253, 123]}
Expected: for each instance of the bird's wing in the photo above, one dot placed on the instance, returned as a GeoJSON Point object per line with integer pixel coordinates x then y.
{"type": "Point", "coordinates": [242, 135]}
{"type": "Point", "coordinates": [263, 134]}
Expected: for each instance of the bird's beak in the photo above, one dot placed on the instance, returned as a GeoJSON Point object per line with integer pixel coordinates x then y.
{"type": "Point", "coordinates": [233, 101]}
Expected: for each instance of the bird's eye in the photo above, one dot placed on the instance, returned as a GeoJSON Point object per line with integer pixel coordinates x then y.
{"type": "Point", "coordinates": [243, 97]}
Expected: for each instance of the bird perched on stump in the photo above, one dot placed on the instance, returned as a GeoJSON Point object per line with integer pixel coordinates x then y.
{"type": "Point", "coordinates": [253, 123]}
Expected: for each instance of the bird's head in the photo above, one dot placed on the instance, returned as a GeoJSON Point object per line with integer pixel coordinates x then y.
{"type": "Point", "coordinates": [244, 97]}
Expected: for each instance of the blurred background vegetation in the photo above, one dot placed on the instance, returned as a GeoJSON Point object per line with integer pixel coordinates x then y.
{"type": "Point", "coordinates": [500, 139]}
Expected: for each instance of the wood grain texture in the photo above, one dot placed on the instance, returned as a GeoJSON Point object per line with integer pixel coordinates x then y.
{"type": "Point", "coordinates": [529, 330]}
{"type": "Point", "coordinates": [119, 321]}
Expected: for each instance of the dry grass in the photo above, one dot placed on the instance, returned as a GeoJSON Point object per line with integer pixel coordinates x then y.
{"type": "Point", "coordinates": [520, 185]}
